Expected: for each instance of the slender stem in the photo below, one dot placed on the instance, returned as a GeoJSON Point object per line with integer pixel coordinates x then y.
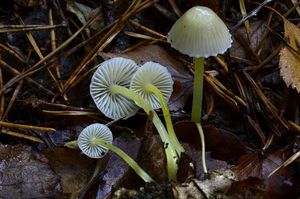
{"type": "Point", "coordinates": [200, 130]}
{"type": "Point", "coordinates": [138, 170]}
{"type": "Point", "coordinates": [198, 89]}
{"type": "Point", "coordinates": [171, 155]}
{"type": "Point", "coordinates": [151, 88]}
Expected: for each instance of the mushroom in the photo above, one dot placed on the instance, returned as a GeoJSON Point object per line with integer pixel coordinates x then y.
{"type": "Point", "coordinates": [109, 89]}
{"type": "Point", "coordinates": [147, 77]}
{"type": "Point", "coordinates": [95, 140]}
{"type": "Point", "coordinates": [115, 71]}
{"type": "Point", "coordinates": [87, 138]}
{"type": "Point", "coordinates": [154, 83]}
{"type": "Point", "coordinates": [199, 33]}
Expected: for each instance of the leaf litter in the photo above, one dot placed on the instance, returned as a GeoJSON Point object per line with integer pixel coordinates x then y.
{"type": "Point", "coordinates": [252, 114]}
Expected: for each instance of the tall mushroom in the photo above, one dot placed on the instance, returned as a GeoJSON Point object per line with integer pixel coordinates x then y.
{"type": "Point", "coordinates": [199, 33]}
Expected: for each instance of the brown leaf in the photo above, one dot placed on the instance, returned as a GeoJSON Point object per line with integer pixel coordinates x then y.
{"type": "Point", "coordinates": [73, 168]}
{"type": "Point", "coordinates": [258, 165]}
{"type": "Point", "coordinates": [289, 62]}
{"type": "Point", "coordinates": [24, 174]}
{"type": "Point", "coordinates": [222, 144]}
{"type": "Point", "coordinates": [255, 166]}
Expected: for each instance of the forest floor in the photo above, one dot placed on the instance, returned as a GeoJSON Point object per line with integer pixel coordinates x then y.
{"type": "Point", "coordinates": [251, 110]}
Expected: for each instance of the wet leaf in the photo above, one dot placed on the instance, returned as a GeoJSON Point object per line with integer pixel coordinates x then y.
{"type": "Point", "coordinates": [73, 168]}
{"type": "Point", "coordinates": [247, 189]}
{"type": "Point", "coordinates": [257, 165]}
{"type": "Point", "coordinates": [260, 166]}
{"type": "Point", "coordinates": [25, 174]}
{"type": "Point", "coordinates": [117, 170]}
{"type": "Point", "coordinates": [83, 13]}
{"type": "Point", "coordinates": [222, 144]}
{"type": "Point", "coordinates": [152, 158]}
{"type": "Point", "coordinates": [242, 47]}
{"type": "Point", "coordinates": [195, 159]}
{"type": "Point", "coordinates": [289, 62]}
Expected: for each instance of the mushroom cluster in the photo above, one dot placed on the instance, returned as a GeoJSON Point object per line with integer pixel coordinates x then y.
{"type": "Point", "coordinates": [119, 87]}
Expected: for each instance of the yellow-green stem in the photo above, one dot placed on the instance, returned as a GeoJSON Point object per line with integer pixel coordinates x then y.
{"type": "Point", "coordinates": [151, 88]}
{"type": "Point", "coordinates": [171, 155]}
{"type": "Point", "coordinates": [198, 90]}
{"type": "Point", "coordinates": [200, 130]}
{"type": "Point", "coordinates": [138, 170]}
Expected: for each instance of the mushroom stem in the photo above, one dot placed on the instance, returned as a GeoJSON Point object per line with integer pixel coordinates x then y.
{"type": "Point", "coordinates": [200, 130]}
{"type": "Point", "coordinates": [138, 170]}
{"type": "Point", "coordinates": [198, 89]}
{"type": "Point", "coordinates": [173, 138]}
{"type": "Point", "coordinates": [169, 148]}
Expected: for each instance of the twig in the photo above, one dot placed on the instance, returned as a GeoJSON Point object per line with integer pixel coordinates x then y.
{"type": "Point", "coordinates": [251, 14]}
{"type": "Point", "coordinates": [37, 66]}
{"type": "Point", "coordinates": [13, 98]}
{"type": "Point", "coordinates": [19, 135]}
{"type": "Point", "coordinates": [24, 126]}
{"type": "Point", "coordinates": [22, 28]}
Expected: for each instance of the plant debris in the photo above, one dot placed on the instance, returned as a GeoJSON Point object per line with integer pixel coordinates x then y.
{"type": "Point", "coordinates": [49, 51]}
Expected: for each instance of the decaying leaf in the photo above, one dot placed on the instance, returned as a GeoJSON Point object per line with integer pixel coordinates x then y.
{"type": "Point", "coordinates": [289, 62]}
{"type": "Point", "coordinates": [83, 13]}
{"type": "Point", "coordinates": [25, 174]}
{"type": "Point", "coordinates": [214, 187]}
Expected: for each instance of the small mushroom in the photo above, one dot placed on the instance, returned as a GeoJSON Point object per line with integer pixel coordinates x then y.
{"type": "Point", "coordinates": [115, 71]}
{"type": "Point", "coordinates": [95, 140]}
{"type": "Point", "coordinates": [152, 73]}
{"type": "Point", "coordinates": [87, 137]}
{"type": "Point", "coordinates": [155, 84]}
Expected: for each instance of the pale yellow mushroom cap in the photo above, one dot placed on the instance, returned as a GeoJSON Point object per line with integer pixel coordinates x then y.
{"type": "Point", "coordinates": [200, 33]}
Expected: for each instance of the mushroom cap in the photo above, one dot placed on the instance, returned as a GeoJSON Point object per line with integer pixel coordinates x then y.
{"type": "Point", "coordinates": [199, 32]}
{"type": "Point", "coordinates": [115, 71]}
{"type": "Point", "coordinates": [93, 131]}
{"type": "Point", "coordinates": [157, 75]}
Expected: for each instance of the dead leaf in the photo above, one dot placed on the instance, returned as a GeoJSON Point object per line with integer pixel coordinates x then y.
{"type": "Point", "coordinates": [289, 62]}
{"type": "Point", "coordinates": [257, 165]}
{"type": "Point", "coordinates": [24, 174]}
{"type": "Point", "coordinates": [73, 168]}
{"type": "Point", "coordinates": [222, 144]}
{"type": "Point", "coordinates": [117, 171]}
{"type": "Point", "coordinates": [245, 49]}
{"type": "Point", "coordinates": [83, 13]}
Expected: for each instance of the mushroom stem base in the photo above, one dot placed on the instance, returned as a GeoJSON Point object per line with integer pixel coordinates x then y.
{"type": "Point", "coordinates": [200, 130]}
